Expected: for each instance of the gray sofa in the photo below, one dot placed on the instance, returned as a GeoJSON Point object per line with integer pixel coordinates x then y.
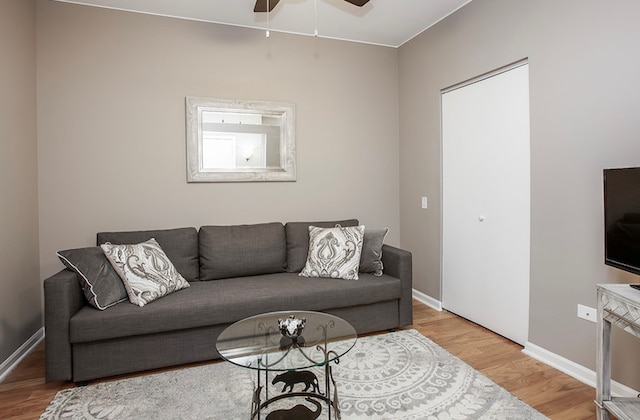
{"type": "Point", "coordinates": [234, 272]}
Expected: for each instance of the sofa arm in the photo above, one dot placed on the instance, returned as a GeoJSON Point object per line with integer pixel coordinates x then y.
{"type": "Point", "coordinates": [63, 297]}
{"type": "Point", "coordinates": [398, 263]}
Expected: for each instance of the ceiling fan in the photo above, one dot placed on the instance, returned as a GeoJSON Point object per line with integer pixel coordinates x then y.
{"type": "Point", "coordinates": [268, 5]}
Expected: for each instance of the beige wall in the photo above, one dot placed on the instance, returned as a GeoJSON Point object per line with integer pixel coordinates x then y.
{"type": "Point", "coordinates": [20, 290]}
{"type": "Point", "coordinates": [584, 66]}
{"type": "Point", "coordinates": [111, 93]}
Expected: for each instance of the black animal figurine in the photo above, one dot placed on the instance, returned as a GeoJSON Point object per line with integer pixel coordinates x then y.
{"type": "Point", "coordinates": [291, 378]}
{"type": "Point", "coordinates": [298, 412]}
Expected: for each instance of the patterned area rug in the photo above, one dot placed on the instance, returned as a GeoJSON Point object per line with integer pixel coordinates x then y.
{"type": "Point", "coordinates": [399, 375]}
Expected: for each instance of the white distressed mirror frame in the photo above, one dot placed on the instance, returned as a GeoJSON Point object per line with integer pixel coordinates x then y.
{"type": "Point", "coordinates": [195, 172]}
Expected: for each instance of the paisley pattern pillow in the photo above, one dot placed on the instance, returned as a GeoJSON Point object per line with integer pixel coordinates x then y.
{"type": "Point", "coordinates": [334, 252]}
{"type": "Point", "coordinates": [145, 270]}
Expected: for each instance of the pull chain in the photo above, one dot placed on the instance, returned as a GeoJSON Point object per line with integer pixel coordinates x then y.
{"type": "Point", "coordinates": [315, 7]}
{"type": "Point", "coordinates": [268, 19]}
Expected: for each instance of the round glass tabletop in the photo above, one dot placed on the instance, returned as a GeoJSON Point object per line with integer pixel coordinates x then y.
{"type": "Point", "coordinates": [257, 342]}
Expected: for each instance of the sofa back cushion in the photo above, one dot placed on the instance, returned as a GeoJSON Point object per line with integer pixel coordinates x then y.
{"type": "Point", "coordinates": [298, 241]}
{"type": "Point", "coordinates": [241, 250]}
{"type": "Point", "coordinates": [180, 245]}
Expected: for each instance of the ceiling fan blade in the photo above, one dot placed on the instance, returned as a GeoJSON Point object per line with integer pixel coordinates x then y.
{"type": "Point", "coordinates": [358, 3]}
{"type": "Point", "coordinates": [261, 5]}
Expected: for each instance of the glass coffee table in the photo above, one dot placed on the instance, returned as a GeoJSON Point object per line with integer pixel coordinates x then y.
{"type": "Point", "coordinates": [287, 345]}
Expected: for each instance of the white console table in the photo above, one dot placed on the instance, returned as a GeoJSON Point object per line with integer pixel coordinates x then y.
{"type": "Point", "coordinates": [618, 305]}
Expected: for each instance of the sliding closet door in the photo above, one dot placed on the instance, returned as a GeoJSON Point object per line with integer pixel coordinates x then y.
{"type": "Point", "coordinates": [486, 202]}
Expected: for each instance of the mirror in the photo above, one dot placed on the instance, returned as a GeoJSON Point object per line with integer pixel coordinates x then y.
{"type": "Point", "coordinates": [239, 141]}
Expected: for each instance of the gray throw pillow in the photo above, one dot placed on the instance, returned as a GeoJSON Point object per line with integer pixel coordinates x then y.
{"type": "Point", "coordinates": [100, 283]}
{"type": "Point", "coordinates": [371, 257]}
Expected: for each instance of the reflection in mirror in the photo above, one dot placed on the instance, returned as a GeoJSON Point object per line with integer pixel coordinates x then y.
{"type": "Point", "coordinates": [239, 141]}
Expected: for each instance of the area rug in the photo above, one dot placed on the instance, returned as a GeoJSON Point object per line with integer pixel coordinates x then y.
{"type": "Point", "coordinates": [399, 375]}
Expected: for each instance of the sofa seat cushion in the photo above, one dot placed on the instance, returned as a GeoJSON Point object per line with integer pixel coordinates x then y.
{"type": "Point", "coordinates": [228, 300]}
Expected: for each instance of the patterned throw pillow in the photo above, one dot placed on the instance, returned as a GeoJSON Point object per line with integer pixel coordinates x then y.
{"type": "Point", "coordinates": [145, 270]}
{"type": "Point", "coordinates": [334, 252]}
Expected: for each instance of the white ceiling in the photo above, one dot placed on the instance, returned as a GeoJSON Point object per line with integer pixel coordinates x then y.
{"type": "Point", "coordinates": [380, 22]}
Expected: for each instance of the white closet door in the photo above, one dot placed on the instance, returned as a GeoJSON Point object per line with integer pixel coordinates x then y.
{"type": "Point", "coordinates": [486, 202]}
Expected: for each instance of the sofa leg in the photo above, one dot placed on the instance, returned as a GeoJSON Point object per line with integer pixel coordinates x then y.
{"type": "Point", "coordinates": [82, 383]}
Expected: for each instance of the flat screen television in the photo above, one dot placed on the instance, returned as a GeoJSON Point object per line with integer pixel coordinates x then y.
{"type": "Point", "coordinates": [622, 218]}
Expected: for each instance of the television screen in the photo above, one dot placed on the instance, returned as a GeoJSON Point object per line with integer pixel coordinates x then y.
{"type": "Point", "coordinates": [622, 218]}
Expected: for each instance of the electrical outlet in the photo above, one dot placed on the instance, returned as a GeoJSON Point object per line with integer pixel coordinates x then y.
{"type": "Point", "coordinates": [424, 202]}
{"type": "Point", "coordinates": [587, 313]}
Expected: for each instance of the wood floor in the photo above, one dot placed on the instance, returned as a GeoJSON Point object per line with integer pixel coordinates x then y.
{"type": "Point", "coordinates": [25, 395]}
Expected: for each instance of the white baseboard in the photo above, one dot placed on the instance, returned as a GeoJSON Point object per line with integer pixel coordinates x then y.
{"type": "Point", "coordinates": [427, 300]}
{"type": "Point", "coordinates": [573, 369]}
{"type": "Point", "coordinates": [14, 360]}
